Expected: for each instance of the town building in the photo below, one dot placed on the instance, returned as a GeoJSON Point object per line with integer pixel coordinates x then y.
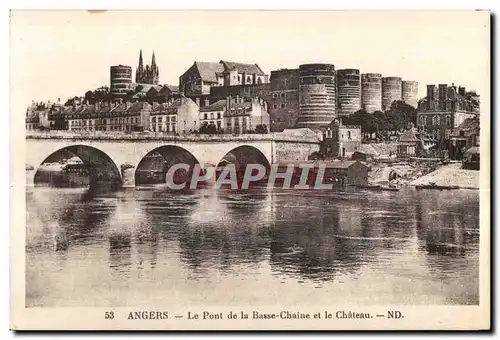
{"type": "Point", "coordinates": [148, 74]}
{"type": "Point", "coordinates": [444, 109]}
{"type": "Point", "coordinates": [179, 116]}
{"type": "Point", "coordinates": [465, 136]}
{"type": "Point", "coordinates": [153, 93]}
{"type": "Point", "coordinates": [201, 76]}
{"type": "Point", "coordinates": [409, 144]}
{"type": "Point", "coordinates": [213, 115]}
{"type": "Point", "coordinates": [341, 174]}
{"type": "Point", "coordinates": [341, 141]}
{"type": "Point", "coordinates": [42, 115]}
{"type": "Point", "coordinates": [243, 115]}
{"type": "Point", "coordinates": [107, 116]}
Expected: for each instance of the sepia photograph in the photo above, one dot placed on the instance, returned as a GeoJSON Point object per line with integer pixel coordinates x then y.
{"type": "Point", "coordinates": [190, 169]}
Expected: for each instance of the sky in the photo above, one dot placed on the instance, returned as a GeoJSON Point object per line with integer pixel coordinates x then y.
{"type": "Point", "coordinates": [60, 54]}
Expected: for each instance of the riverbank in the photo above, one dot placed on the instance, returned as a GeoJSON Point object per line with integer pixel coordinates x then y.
{"type": "Point", "coordinates": [449, 175]}
{"type": "Point", "coordinates": [422, 173]}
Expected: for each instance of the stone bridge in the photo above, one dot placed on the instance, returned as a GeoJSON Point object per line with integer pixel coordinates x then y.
{"type": "Point", "coordinates": [112, 157]}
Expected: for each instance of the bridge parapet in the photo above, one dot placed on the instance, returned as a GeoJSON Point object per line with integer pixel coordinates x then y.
{"type": "Point", "coordinates": [151, 136]}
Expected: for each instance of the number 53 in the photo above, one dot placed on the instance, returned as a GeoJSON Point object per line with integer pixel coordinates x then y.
{"type": "Point", "coordinates": [109, 315]}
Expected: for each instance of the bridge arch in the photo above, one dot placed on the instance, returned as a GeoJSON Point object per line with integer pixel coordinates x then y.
{"type": "Point", "coordinates": [152, 168]}
{"type": "Point", "coordinates": [246, 154]}
{"type": "Point", "coordinates": [243, 155]}
{"type": "Point", "coordinates": [99, 166]}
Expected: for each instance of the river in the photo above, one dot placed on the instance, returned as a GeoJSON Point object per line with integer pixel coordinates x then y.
{"type": "Point", "coordinates": [151, 246]}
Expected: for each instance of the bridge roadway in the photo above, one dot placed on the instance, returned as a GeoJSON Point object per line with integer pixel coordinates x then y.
{"type": "Point", "coordinates": [114, 156]}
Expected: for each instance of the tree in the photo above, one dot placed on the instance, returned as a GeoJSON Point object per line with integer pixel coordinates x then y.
{"type": "Point", "coordinates": [261, 128]}
{"type": "Point", "coordinates": [316, 155]}
{"type": "Point", "coordinates": [209, 129]}
{"type": "Point", "coordinates": [89, 97]}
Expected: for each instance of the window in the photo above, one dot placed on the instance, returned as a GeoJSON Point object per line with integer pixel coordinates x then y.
{"type": "Point", "coordinates": [160, 119]}
{"type": "Point", "coordinates": [349, 135]}
{"type": "Point", "coordinates": [205, 116]}
{"type": "Point", "coordinates": [283, 105]}
{"type": "Point", "coordinates": [448, 120]}
{"type": "Point", "coordinates": [436, 120]}
{"type": "Point", "coordinates": [218, 124]}
{"type": "Point", "coordinates": [249, 80]}
{"type": "Point", "coordinates": [211, 115]}
{"type": "Point", "coordinates": [259, 80]}
{"type": "Point", "coordinates": [423, 120]}
{"type": "Point", "coordinates": [239, 79]}
{"type": "Point", "coordinates": [275, 95]}
{"type": "Point", "coordinates": [283, 94]}
{"type": "Point", "coordinates": [275, 106]}
{"type": "Point", "coordinates": [218, 115]}
{"type": "Point", "coordinates": [153, 119]}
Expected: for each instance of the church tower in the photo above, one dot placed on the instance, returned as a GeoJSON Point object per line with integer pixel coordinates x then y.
{"type": "Point", "coordinates": [155, 72]}
{"type": "Point", "coordinates": [139, 73]}
{"type": "Point", "coordinates": [148, 74]}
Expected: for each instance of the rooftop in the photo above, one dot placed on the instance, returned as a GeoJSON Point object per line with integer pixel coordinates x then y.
{"type": "Point", "coordinates": [409, 136]}
{"type": "Point", "coordinates": [208, 70]}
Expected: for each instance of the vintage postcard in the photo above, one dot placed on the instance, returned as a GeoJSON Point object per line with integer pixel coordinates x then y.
{"type": "Point", "coordinates": [250, 170]}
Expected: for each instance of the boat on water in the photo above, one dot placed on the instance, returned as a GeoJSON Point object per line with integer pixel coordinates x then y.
{"type": "Point", "coordinates": [436, 187]}
{"type": "Point", "coordinates": [389, 189]}
{"type": "Point", "coordinates": [378, 187]}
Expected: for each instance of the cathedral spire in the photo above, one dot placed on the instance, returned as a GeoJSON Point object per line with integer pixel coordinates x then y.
{"type": "Point", "coordinates": [153, 63]}
{"type": "Point", "coordinates": [141, 66]}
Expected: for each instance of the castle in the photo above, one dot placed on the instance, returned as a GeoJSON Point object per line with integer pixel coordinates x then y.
{"type": "Point", "coordinates": [148, 74]}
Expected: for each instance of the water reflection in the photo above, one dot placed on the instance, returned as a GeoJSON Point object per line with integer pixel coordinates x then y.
{"type": "Point", "coordinates": [123, 243]}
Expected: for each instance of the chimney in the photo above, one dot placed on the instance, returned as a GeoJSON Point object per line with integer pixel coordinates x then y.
{"type": "Point", "coordinates": [207, 102]}
{"type": "Point", "coordinates": [155, 105]}
{"type": "Point", "coordinates": [228, 103]}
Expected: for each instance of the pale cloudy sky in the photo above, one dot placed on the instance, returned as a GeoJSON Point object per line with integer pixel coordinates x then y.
{"type": "Point", "coordinates": [64, 53]}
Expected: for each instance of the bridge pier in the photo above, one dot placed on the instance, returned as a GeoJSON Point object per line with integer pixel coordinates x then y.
{"type": "Point", "coordinates": [128, 175]}
{"type": "Point", "coordinates": [30, 177]}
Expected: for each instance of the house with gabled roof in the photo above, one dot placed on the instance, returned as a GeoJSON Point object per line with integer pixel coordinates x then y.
{"type": "Point", "coordinates": [410, 143]}
{"type": "Point", "coordinates": [201, 76]}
